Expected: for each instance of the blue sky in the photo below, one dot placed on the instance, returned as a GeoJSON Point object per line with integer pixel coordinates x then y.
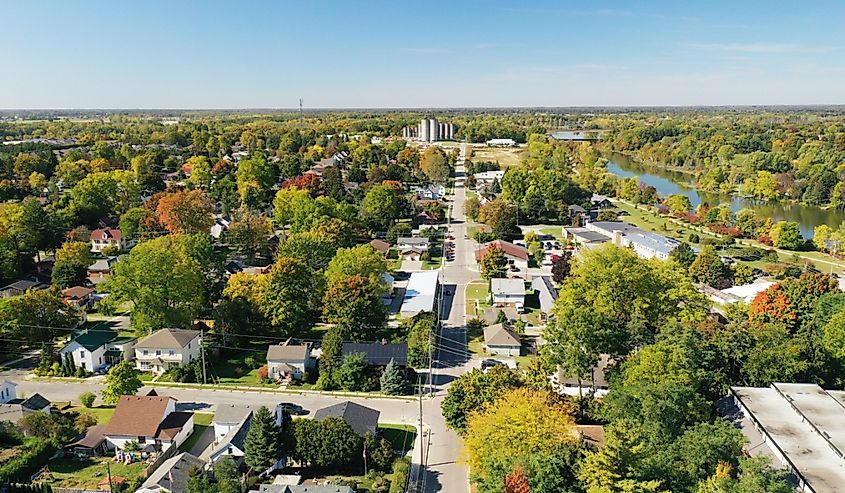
{"type": "Point", "coordinates": [422, 53]}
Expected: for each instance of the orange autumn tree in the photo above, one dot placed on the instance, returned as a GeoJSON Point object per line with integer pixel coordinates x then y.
{"type": "Point", "coordinates": [517, 481]}
{"type": "Point", "coordinates": [186, 212]}
{"type": "Point", "coordinates": [772, 305]}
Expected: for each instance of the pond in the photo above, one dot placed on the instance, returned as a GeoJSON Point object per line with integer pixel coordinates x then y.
{"type": "Point", "coordinates": [669, 182]}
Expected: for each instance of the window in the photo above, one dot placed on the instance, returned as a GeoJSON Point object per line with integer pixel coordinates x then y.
{"type": "Point", "coordinates": [158, 352]}
{"type": "Point", "coordinates": [172, 352]}
{"type": "Point", "coordinates": [146, 353]}
{"type": "Point", "coordinates": [82, 353]}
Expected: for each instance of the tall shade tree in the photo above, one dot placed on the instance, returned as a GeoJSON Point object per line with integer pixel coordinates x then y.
{"type": "Point", "coordinates": [500, 216]}
{"type": "Point", "coordinates": [122, 379]}
{"type": "Point", "coordinates": [615, 302]}
{"type": "Point", "coordinates": [355, 303]}
{"type": "Point", "coordinates": [361, 260]}
{"type": "Point", "coordinates": [494, 264]}
{"type": "Point", "coordinates": [72, 262]}
{"type": "Point", "coordinates": [200, 172]}
{"type": "Point", "coordinates": [290, 296]}
{"type": "Point", "coordinates": [381, 206]}
{"type": "Point", "coordinates": [518, 425]}
{"type": "Point", "coordinates": [434, 164]}
{"type": "Point", "coordinates": [250, 234]}
{"type": "Point", "coordinates": [474, 391]}
{"type": "Point", "coordinates": [104, 194]}
{"type": "Point", "coordinates": [37, 315]}
{"type": "Point", "coordinates": [164, 284]}
{"type": "Point", "coordinates": [255, 179]}
{"type": "Point", "coordinates": [186, 212]}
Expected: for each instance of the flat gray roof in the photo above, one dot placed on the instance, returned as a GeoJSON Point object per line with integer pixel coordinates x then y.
{"type": "Point", "coordinates": [795, 417]}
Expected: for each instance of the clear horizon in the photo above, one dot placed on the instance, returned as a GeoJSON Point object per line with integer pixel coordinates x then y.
{"type": "Point", "coordinates": [336, 55]}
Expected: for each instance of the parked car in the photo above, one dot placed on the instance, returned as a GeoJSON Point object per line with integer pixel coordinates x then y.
{"type": "Point", "coordinates": [490, 363]}
{"type": "Point", "coordinates": [294, 409]}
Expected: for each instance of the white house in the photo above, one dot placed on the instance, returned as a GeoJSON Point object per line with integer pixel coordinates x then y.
{"type": "Point", "coordinates": [405, 243]}
{"type": "Point", "coordinates": [166, 348]}
{"type": "Point", "coordinates": [92, 349]}
{"type": "Point", "coordinates": [229, 416]}
{"type": "Point", "coordinates": [220, 226]}
{"type": "Point", "coordinates": [232, 443]}
{"type": "Point", "coordinates": [15, 409]}
{"type": "Point", "coordinates": [501, 143]}
{"type": "Point", "coordinates": [107, 237]}
{"type": "Point", "coordinates": [8, 391]}
{"type": "Point", "coordinates": [150, 421]}
{"type": "Point", "coordinates": [508, 292]}
{"type": "Point", "coordinates": [430, 192]}
{"type": "Point", "coordinates": [501, 340]}
{"type": "Point", "coordinates": [288, 361]}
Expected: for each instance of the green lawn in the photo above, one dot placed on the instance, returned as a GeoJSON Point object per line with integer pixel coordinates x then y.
{"type": "Point", "coordinates": [146, 376]}
{"type": "Point", "coordinates": [86, 473]}
{"type": "Point", "coordinates": [401, 437]}
{"type": "Point", "coordinates": [476, 290]}
{"type": "Point", "coordinates": [201, 423]}
{"type": "Point", "coordinates": [102, 413]}
{"type": "Point", "coordinates": [233, 369]}
{"type": "Point", "coordinates": [556, 231]}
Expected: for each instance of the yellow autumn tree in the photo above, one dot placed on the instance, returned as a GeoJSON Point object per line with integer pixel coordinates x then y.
{"type": "Point", "coordinates": [522, 423]}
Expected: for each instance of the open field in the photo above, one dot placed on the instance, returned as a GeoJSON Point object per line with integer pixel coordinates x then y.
{"type": "Point", "coordinates": [505, 156]}
{"type": "Point", "coordinates": [87, 473]}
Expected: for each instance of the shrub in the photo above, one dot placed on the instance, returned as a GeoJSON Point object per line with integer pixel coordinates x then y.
{"type": "Point", "coordinates": [263, 374]}
{"type": "Point", "coordinates": [30, 459]}
{"type": "Point", "coordinates": [401, 470]}
{"type": "Point", "coordinates": [694, 238]}
{"type": "Point", "coordinates": [251, 362]}
{"type": "Point", "coordinates": [87, 398]}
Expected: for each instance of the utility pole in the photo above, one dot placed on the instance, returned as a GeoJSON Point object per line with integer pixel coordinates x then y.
{"type": "Point", "coordinates": [202, 354]}
{"type": "Point", "coordinates": [108, 473]}
{"type": "Point", "coordinates": [301, 117]}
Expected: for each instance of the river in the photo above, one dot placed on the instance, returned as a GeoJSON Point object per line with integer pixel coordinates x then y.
{"type": "Point", "coordinates": [669, 182]}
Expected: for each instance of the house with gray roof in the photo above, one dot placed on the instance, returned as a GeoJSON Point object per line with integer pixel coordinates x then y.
{"type": "Point", "coordinates": [288, 360]}
{"type": "Point", "coordinates": [172, 475]}
{"type": "Point", "coordinates": [302, 488]}
{"type": "Point", "coordinates": [362, 419]}
{"type": "Point", "coordinates": [15, 409]}
{"type": "Point", "coordinates": [232, 444]}
{"type": "Point", "coordinates": [166, 348]}
{"type": "Point", "coordinates": [377, 353]}
{"type": "Point", "coordinates": [502, 340]}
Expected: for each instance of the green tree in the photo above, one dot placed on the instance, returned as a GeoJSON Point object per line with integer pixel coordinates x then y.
{"type": "Point", "coordinates": [392, 380]}
{"type": "Point", "coordinates": [494, 264]}
{"type": "Point", "coordinates": [679, 204]}
{"type": "Point", "coordinates": [500, 216]}
{"type": "Point", "coordinates": [350, 374]}
{"type": "Point", "coordinates": [361, 260]}
{"type": "Point", "coordinates": [707, 267]}
{"type": "Point", "coordinates": [38, 315]}
{"type": "Point", "coordinates": [473, 391]}
{"type": "Point", "coordinates": [621, 465]}
{"type": "Point", "coordinates": [263, 441]}
{"type": "Point", "coordinates": [250, 234]}
{"type": "Point", "coordinates": [227, 476]}
{"type": "Point", "coordinates": [200, 172]}
{"type": "Point", "coordinates": [380, 206]}
{"type": "Point", "coordinates": [164, 284]}
{"type": "Point", "coordinates": [472, 208]}
{"type": "Point", "coordinates": [72, 262]}
{"type": "Point", "coordinates": [290, 296]}
{"type": "Point", "coordinates": [355, 303]}
{"type": "Point", "coordinates": [255, 179]}
{"type": "Point", "coordinates": [683, 255]}
{"type": "Point", "coordinates": [122, 379]}
{"type": "Point", "coordinates": [786, 235]}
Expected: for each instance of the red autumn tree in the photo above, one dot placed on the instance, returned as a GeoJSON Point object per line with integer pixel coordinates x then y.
{"type": "Point", "coordinates": [517, 481]}
{"type": "Point", "coordinates": [773, 305]}
{"type": "Point", "coordinates": [307, 181]}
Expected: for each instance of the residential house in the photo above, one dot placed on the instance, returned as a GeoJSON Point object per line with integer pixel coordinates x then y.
{"type": "Point", "coordinates": [166, 348]}
{"type": "Point", "coordinates": [362, 419]}
{"type": "Point", "coordinates": [18, 288]}
{"type": "Point", "coordinates": [595, 383]}
{"type": "Point", "coordinates": [220, 226]}
{"type": "Point", "coordinates": [407, 242]}
{"type": "Point", "coordinates": [501, 340]}
{"type": "Point", "coordinates": [585, 238]}
{"type": "Point", "coordinates": [90, 443]}
{"type": "Point", "coordinates": [288, 361]}
{"type": "Point", "coordinates": [380, 246]}
{"type": "Point", "coordinates": [101, 269]}
{"type": "Point", "coordinates": [486, 178]}
{"type": "Point", "coordinates": [600, 201]}
{"type": "Point", "coordinates": [15, 409]}
{"type": "Point", "coordinates": [79, 296]}
{"type": "Point", "coordinates": [302, 488]}
{"type": "Point", "coordinates": [546, 292]}
{"type": "Point", "coordinates": [575, 209]}
{"type": "Point", "coordinates": [8, 391]}
{"type": "Point", "coordinates": [92, 349]}
{"type": "Point", "coordinates": [230, 416]}
{"type": "Point", "coordinates": [507, 292]}
{"type": "Point", "coordinates": [172, 475]}
{"type": "Point", "coordinates": [232, 443]}
{"type": "Point", "coordinates": [378, 354]}
{"type": "Point", "coordinates": [106, 238]}
{"type": "Point", "coordinates": [150, 421]}
{"type": "Point", "coordinates": [429, 192]}
{"type": "Point", "coordinates": [516, 255]}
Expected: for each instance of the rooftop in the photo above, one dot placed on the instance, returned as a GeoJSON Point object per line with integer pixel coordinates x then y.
{"type": "Point", "coordinates": [499, 335]}
{"type": "Point", "coordinates": [377, 353]}
{"type": "Point", "coordinates": [138, 415]}
{"type": "Point", "coordinates": [168, 339]}
{"type": "Point", "coordinates": [806, 424]}
{"type": "Point", "coordinates": [420, 292]}
{"type": "Point", "coordinates": [501, 286]}
{"type": "Point", "coordinates": [362, 419]}
{"type": "Point", "coordinates": [289, 352]}
{"type": "Point", "coordinates": [94, 339]}
{"type": "Point", "coordinates": [509, 248]}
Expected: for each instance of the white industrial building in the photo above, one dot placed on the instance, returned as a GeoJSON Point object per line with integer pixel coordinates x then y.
{"type": "Point", "coordinates": [800, 426]}
{"type": "Point", "coordinates": [429, 130]}
{"type": "Point", "coordinates": [421, 293]}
